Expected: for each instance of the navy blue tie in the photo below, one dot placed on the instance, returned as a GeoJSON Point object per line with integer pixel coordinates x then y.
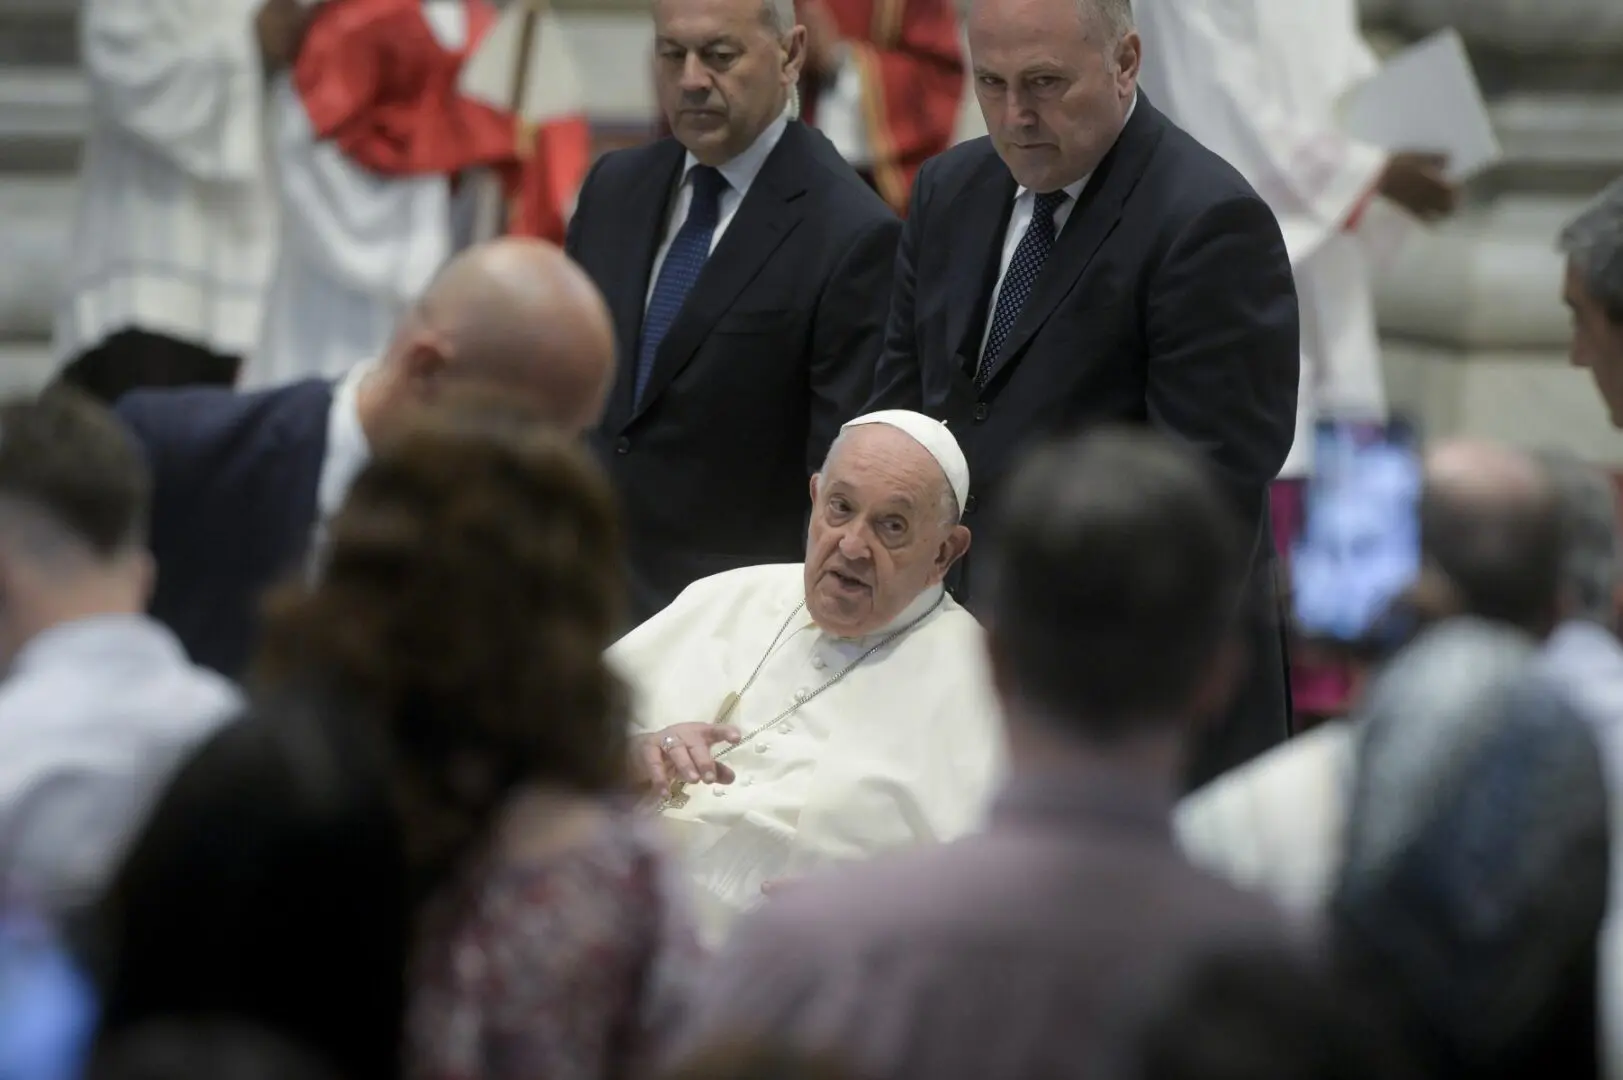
{"type": "Point", "coordinates": [680, 270]}
{"type": "Point", "coordinates": [1018, 281]}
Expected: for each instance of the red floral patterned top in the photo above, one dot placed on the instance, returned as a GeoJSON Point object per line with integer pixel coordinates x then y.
{"type": "Point", "coordinates": [561, 970]}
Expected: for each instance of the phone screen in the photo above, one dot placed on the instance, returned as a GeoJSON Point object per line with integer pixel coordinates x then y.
{"type": "Point", "coordinates": [1358, 548]}
{"type": "Point", "coordinates": [48, 1008]}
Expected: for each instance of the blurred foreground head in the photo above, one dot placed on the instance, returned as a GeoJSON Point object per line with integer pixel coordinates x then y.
{"type": "Point", "coordinates": [513, 318]}
{"type": "Point", "coordinates": [472, 585]}
{"type": "Point", "coordinates": [266, 888]}
{"type": "Point", "coordinates": [1116, 589]}
{"type": "Point", "coordinates": [1476, 856]}
{"type": "Point", "coordinates": [74, 499]}
{"type": "Point", "coordinates": [1491, 537]}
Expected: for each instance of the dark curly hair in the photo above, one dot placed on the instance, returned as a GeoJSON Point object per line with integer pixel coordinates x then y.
{"type": "Point", "coordinates": [471, 584]}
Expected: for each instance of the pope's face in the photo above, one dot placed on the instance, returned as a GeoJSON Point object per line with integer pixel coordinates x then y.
{"type": "Point", "coordinates": [722, 74]}
{"type": "Point", "coordinates": [1053, 91]}
{"type": "Point", "coordinates": [879, 532]}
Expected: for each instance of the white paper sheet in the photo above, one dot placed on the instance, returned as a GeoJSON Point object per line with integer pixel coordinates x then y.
{"type": "Point", "coordinates": [1426, 99]}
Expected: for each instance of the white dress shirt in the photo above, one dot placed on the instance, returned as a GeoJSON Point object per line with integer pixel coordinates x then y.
{"type": "Point", "coordinates": [1025, 204]}
{"type": "Point", "coordinates": [740, 174]}
{"type": "Point", "coordinates": [95, 715]}
{"type": "Point", "coordinates": [347, 454]}
{"type": "Point", "coordinates": [905, 749]}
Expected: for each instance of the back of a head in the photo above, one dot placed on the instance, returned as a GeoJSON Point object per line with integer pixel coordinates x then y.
{"type": "Point", "coordinates": [522, 317]}
{"type": "Point", "coordinates": [1491, 527]}
{"type": "Point", "coordinates": [1476, 856]}
{"type": "Point", "coordinates": [267, 887]}
{"type": "Point", "coordinates": [1589, 530]}
{"type": "Point", "coordinates": [472, 584]}
{"type": "Point", "coordinates": [193, 1049]}
{"type": "Point", "coordinates": [69, 465]}
{"type": "Point", "coordinates": [1116, 580]}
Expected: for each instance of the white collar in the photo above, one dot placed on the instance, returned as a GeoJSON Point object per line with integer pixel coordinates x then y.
{"type": "Point", "coordinates": [1075, 190]}
{"type": "Point", "coordinates": [347, 448]}
{"type": "Point", "coordinates": [742, 170]}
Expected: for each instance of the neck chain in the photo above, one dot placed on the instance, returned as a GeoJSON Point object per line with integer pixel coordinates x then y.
{"type": "Point", "coordinates": [676, 797]}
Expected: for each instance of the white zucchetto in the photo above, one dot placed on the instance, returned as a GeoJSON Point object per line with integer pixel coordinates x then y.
{"type": "Point", "coordinates": [934, 437]}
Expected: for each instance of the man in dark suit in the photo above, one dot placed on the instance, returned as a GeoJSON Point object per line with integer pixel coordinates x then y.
{"type": "Point", "coordinates": [749, 270]}
{"type": "Point", "coordinates": [1089, 261]}
{"type": "Point", "coordinates": [245, 483]}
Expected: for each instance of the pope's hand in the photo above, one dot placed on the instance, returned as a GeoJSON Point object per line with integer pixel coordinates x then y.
{"type": "Point", "coordinates": [683, 752]}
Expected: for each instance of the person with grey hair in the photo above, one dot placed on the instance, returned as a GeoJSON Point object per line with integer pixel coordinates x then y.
{"type": "Point", "coordinates": [99, 703]}
{"type": "Point", "coordinates": [1593, 292]}
{"type": "Point", "coordinates": [749, 269]}
{"type": "Point", "coordinates": [1089, 262]}
{"type": "Point", "coordinates": [793, 715]}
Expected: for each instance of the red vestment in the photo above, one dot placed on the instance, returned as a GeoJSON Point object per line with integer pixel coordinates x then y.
{"type": "Point", "coordinates": [912, 66]}
{"type": "Point", "coordinates": [375, 80]}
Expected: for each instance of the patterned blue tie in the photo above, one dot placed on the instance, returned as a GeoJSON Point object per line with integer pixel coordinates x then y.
{"type": "Point", "coordinates": [1017, 283]}
{"type": "Point", "coordinates": [680, 270]}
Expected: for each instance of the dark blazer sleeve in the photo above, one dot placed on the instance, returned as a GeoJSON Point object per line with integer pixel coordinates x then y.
{"type": "Point", "coordinates": [848, 333]}
{"type": "Point", "coordinates": [143, 416]}
{"type": "Point", "coordinates": [1224, 345]}
{"type": "Point", "coordinates": [898, 378]}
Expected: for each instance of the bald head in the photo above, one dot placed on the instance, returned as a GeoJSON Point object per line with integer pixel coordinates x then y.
{"type": "Point", "coordinates": [1491, 525]}
{"type": "Point", "coordinates": [520, 317]}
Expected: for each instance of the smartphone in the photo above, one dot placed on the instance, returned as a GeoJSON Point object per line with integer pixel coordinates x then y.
{"type": "Point", "coordinates": [1358, 548]}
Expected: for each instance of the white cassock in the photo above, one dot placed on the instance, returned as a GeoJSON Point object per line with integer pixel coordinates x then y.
{"type": "Point", "coordinates": [1259, 82]}
{"type": "Point", "coordinates": [904, 749]}
{"type": "Point", "coordinates": [176, 228]}
{"type": "Point", "coordinates": [357, 248]}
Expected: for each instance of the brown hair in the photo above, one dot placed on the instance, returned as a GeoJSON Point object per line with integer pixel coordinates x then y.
{"type": "Point", "coordinates": [66, 455]}
{"type": "Point", "coordinates": [470, 588]}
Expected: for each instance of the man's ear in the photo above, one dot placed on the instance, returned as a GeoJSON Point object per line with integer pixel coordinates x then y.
{"type": "Point", "coordinates": [815, 481]}
{"type": "Point", "coordinates": [794, 55]}
{"type": "Point", "coordinates": [953, 547]}
{"type": "Point", "coordinates": [1129, 54]}
{"type": "Point", "coordinates": [424, 361]}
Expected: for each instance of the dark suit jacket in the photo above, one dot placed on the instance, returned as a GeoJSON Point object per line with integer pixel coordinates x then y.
{"type": "Point", "coordinates": [1168, 300]}
{"type": "Point", "coordinates": [1007, 954]}
{"type": "Point", "coordinates": [773, 350]}
{"type": "Point", "coordinates": [234, 501]}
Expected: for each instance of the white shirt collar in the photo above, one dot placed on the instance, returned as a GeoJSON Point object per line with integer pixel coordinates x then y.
{"type": "Point", "coordinates": [347, 448]}
{"type": "Point", "coordinates": [742, 170]}
{"type": "Point", "coordinates": [1075, 190]}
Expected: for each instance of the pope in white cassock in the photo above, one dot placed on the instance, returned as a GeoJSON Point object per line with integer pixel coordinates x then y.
{"type": "Point", "coordinates": [1259, 82]}
{"type": "Point", "coordinates": [796, 715]}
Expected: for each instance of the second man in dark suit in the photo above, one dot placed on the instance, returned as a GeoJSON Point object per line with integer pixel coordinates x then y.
{"type": "Point", "coordinates": [1091, 262]}
{"type": "Point", "coordinates": [748, 268]}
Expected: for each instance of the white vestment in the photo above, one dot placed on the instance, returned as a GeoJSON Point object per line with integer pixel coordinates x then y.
{"type": "Point", "coordinates": [1275, 825]}
{"type": "Point", "coordinates": [1259, 82]}
{"type": "Point", "coordinates": [176, 228]}
{"type": "Point", "coordinates": [905, 749]}
{"type": "Point", "coordinates": [358, 248]}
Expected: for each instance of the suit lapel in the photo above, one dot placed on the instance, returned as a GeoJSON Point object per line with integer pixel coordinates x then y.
{"type": "Point", "coordinates": [1097, 211]}
{"type": "Point", "coordinates": [770, 211]}
{"type": "Point", "coordinates": [978, 219]}
{"type": "Point", "coordinates": [646, 207]}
